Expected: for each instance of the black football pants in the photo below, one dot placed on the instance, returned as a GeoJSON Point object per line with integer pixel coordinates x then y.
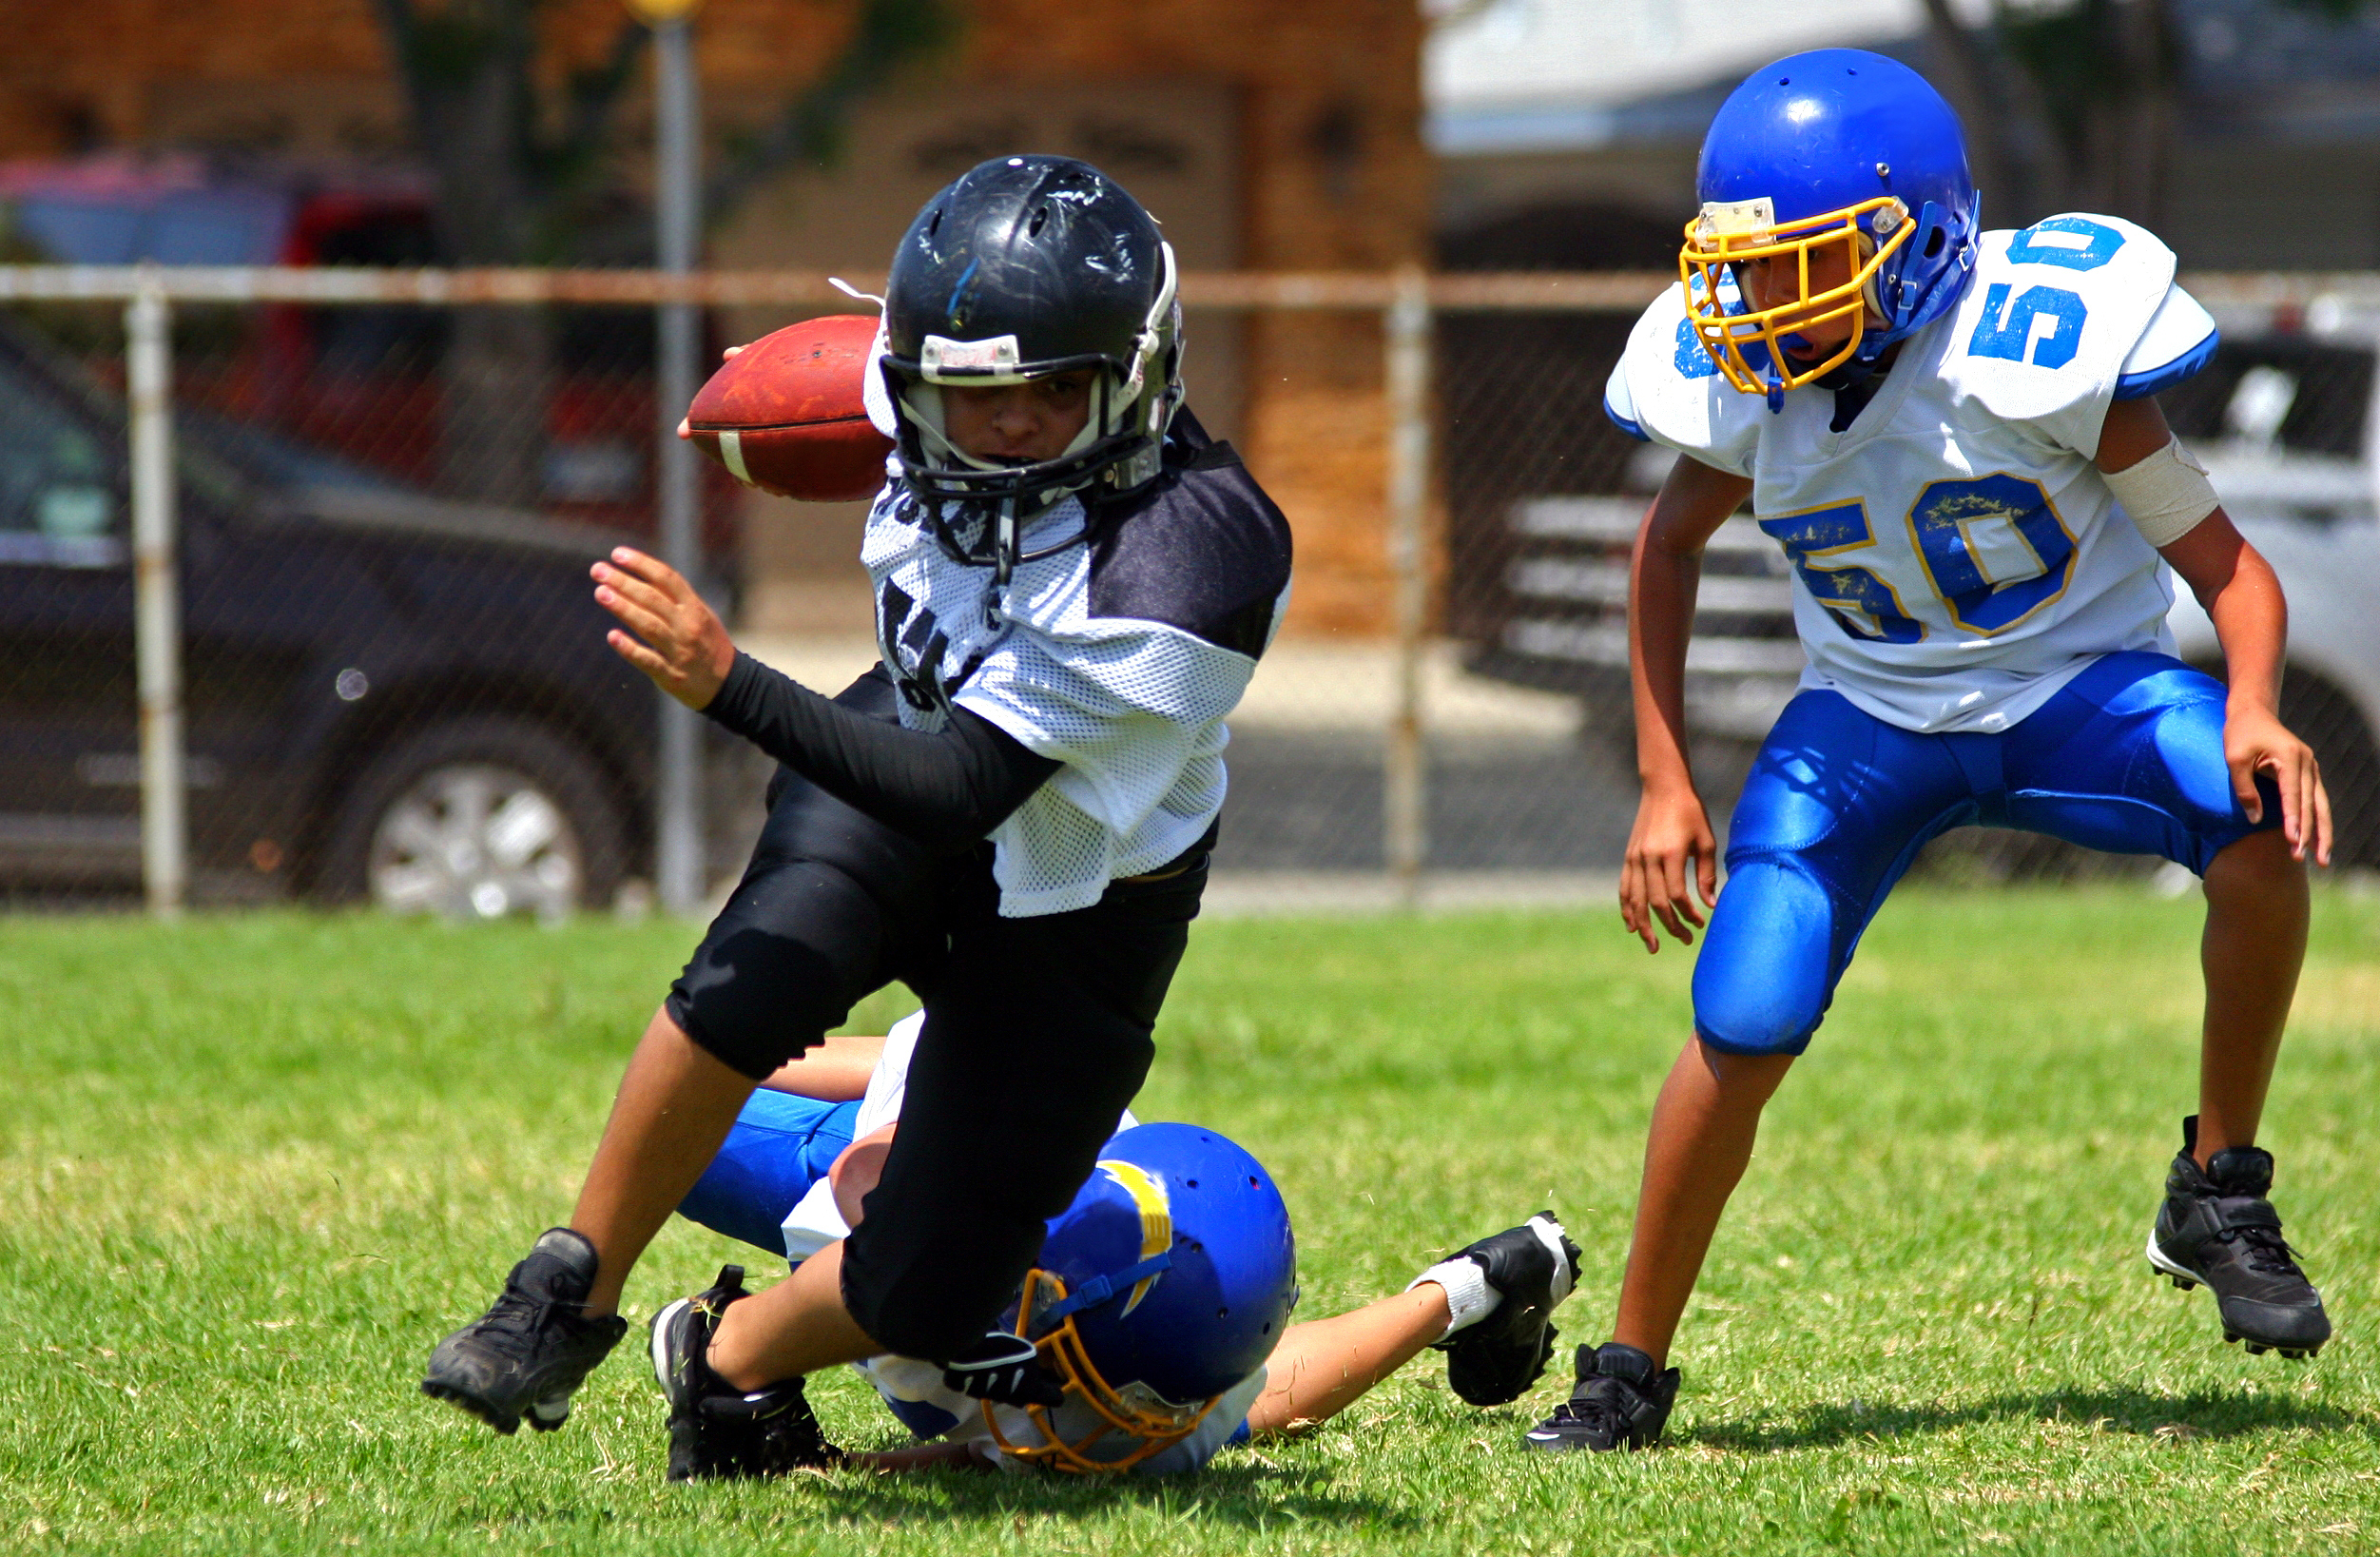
{"type": "Point", "coordinates": [1037, 1036]}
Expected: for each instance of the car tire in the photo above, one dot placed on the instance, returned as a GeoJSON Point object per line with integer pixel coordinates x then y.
{"type": "Point", "coordinates": [477, 818]}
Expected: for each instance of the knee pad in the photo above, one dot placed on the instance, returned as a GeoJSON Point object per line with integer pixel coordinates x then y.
{"type": "Point", "coordinates": [1769, 965]}
{"type": "Point", "coordinates": [797, 946]}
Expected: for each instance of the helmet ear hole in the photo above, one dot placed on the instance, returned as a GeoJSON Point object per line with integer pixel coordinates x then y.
{"type": "Point", "coordinates": [934, 223]}
{"type": "Point", "coordinates": [1041, 220]}
{"type": "Point", "coordinates": [1934, 242]}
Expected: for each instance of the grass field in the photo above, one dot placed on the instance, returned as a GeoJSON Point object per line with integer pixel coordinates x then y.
{"type": "Point", "coordinates": [253, 1167]}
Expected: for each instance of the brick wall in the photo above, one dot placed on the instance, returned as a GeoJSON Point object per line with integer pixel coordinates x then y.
{"type": "Point", "coordinates": [1333, 174]}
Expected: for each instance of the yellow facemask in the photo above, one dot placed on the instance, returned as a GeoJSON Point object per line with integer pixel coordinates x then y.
{"type": "Point", "coordinates": [1727, 234]}
{"type": "Point", "coordinates": [1134, 1410]}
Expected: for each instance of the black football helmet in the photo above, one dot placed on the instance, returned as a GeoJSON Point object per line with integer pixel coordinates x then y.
{"type": "Point", "coordinates": [1029, 266]}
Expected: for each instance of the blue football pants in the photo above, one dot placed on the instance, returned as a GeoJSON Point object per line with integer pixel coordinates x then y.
{"type": "Point", "coordinates": [2127, 757]}
{"type": "Point", "coordinates": [779, 1146]}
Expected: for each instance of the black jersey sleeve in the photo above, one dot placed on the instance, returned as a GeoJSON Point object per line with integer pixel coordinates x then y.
{"type": "Point", "coordinates": [946, 788]}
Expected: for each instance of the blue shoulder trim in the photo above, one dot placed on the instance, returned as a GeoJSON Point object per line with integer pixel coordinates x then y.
{"type": "Point", "coordinates": [1625, 425]}
{"type": "Point", "coordinates": [2134, 386]}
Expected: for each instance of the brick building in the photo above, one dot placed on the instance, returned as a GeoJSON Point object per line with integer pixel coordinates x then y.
{"type": "Point", "coordinates": [1265, 136]}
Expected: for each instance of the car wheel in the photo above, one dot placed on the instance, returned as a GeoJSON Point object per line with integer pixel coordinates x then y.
{"type": "Point", "coordinates": [478, 818]}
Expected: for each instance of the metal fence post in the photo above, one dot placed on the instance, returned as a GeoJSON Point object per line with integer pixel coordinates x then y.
{"type": "Point", "coordinates": [678, 854]}
{"type": "Point", "coordinates": [156, 599]}
{"type": "Point", "coordinates": [1405, 797]}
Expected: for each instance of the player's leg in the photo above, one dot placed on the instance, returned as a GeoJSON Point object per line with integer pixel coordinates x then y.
{"type": "Point", "coordinates": [1837, 806]}
{"type": "Point", "coordinates": [1324, 1366]}
{"type": "Point", "coordinates": [2129, 758]}
{"type": "Point", "coordinates": [1037, 1036]}
{"type": "Point", "coordinates": [798, 941]}
{"type": "Point", "coordinates": [780, 1146]}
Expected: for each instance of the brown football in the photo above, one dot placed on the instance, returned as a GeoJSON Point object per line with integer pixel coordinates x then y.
{"type": "Point", "coordinates": [785, 413]}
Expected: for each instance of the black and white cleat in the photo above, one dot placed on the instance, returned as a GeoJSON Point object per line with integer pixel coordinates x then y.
{"type": "Point", "coordinates": [1532, 1268]}
{"type": "Point", "coordinates": [533, 1346]}
{"type": "Point", "coordinates": [2216, 1229]}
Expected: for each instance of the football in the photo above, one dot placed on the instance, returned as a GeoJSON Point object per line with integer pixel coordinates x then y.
{"type": "Point", "coordinates": [785, 414]}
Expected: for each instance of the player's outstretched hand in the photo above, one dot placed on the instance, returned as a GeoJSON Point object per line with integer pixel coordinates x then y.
{"type": "Point", "coordinates": [684, 648]}
{"type": "Point", "coordinates": [2256, 740]}
{"type": "Point", "coordinates": [1672, 832]}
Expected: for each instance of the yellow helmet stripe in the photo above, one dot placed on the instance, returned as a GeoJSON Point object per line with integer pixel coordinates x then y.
{"type": "Point", "coordinates": [1156, 1217]}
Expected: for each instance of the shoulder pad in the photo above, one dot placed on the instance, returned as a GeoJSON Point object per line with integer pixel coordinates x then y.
{"type": "Point", "coordinates": [1667, 390]}
{"type": "Point", "coordinates": [1204, 549]}
{"type": "Point", "coordinates": [2180, 340]}
{"type": "Point", "coordinates": [2055, 311]}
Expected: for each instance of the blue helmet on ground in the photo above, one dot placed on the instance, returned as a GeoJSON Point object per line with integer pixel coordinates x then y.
{"type": "Point", "coordinates": [1167, 1283]}
{"type": "Point", "coordinates": [1836, 149]}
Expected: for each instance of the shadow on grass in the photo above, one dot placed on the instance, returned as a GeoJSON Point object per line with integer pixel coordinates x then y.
{"type": "Point", "coordinates": [2199, 1415]}
{"type": "Point", "coordinates": [1229, 1492]}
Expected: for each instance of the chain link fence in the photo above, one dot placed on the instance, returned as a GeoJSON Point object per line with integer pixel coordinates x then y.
{"type": "Point", "coordinates": [381, 675]}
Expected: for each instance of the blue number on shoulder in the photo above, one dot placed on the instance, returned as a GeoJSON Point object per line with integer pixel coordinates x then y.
{"type": "Point", "coordinates": [2098, 245]}
{"type": "Point", "coordinates": [2006, 331]}
{"type": "Point", "coordinates": [1994, 547]}
{"type": "Point", "coordinates": [1861, 604]}
{"type": "Point", "coordinates": [1693, 360]}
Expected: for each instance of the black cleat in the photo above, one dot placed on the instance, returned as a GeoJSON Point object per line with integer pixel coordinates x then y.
{"type": "Point", "coordinates": [1533, 1267]}
{"type": "Point", "coordinates": [527, 1354]}
{"type": "Point", "coordinates": [2217, 1228]}
{"type": "Point", "coordinates": [716, 1431]}
{"type": "Point", "coordinates": [1621, 1401]}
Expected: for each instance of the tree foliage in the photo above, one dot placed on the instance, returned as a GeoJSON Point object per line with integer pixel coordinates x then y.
{"type": "Point", "coordinates": [526, 162]}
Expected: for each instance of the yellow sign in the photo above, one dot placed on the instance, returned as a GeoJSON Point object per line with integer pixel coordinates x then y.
{"type": "Point", "coordinates": [656, 11]}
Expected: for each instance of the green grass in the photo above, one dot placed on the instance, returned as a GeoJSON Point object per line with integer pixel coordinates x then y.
{"type": "Point", "coordinates": [253, 1167]}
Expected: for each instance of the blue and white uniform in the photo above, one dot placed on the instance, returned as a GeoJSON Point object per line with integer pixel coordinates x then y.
{"type": "Point", "coordinates": [1984, 626]}
{"type": "Point", "coordinates": [769, 1186]}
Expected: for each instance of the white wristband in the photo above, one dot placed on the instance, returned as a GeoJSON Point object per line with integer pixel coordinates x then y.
{"type": "Point", "coordinates": [1469, 1298]}
{"type": "Point", "coordinates": [2167, 494]}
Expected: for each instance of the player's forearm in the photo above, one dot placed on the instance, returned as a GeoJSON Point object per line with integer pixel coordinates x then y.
{"type": "Point", "coordinates": [2244, 601]}
{"type": "Point", "coordinates": [1662, 590]}
{"type": "Point", "coordinates": [946, 788]}
{"type": "Point", "coordinates": [837, 1071]}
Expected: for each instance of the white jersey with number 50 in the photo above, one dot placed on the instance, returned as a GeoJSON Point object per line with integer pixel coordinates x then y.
{"type": "Point", "coordinates": [1957, 556]}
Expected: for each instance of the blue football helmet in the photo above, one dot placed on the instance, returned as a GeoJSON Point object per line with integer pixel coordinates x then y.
{"type": "Point", "coordinates": [1834, 148]}
{"type": "Point", "coordinates": [1166, 1283]}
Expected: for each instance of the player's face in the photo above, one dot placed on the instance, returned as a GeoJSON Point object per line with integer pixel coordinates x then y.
{"type": "Point", "coordinates": [1018, 424]}
{"type": "Point", "coordinates": [1774, 281]}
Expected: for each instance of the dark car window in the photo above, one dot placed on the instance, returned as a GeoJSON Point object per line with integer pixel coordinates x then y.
{"type": "Point", "coordinates": [60, 504]}
{"type": "Point", "coordinates": [2317, 392]}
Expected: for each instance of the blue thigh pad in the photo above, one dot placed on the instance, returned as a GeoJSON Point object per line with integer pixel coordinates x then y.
{"type": "Point", "coordinates": [779, 1146]}
{"type": "Point", "coordinates": [1838, 803]}
{"type": "Point", "coordinates": [2128, 758]}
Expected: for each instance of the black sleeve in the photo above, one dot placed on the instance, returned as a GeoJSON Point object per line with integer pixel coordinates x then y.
{"type": "Point", "coordinates": [947, 789]}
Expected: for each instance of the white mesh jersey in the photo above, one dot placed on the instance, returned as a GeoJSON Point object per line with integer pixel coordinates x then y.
{"type": "Point", "coordinates": [1118, 657]}
{"type": "Point", "coordinates": [1957, 556]}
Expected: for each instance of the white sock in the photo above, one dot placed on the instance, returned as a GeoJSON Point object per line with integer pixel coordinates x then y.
{"type": "Point", "coordinates": [1469, 1298]}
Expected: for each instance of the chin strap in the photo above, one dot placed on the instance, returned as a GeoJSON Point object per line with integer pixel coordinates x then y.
{"type": "Point", "coordinates": [1101, 1288]}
